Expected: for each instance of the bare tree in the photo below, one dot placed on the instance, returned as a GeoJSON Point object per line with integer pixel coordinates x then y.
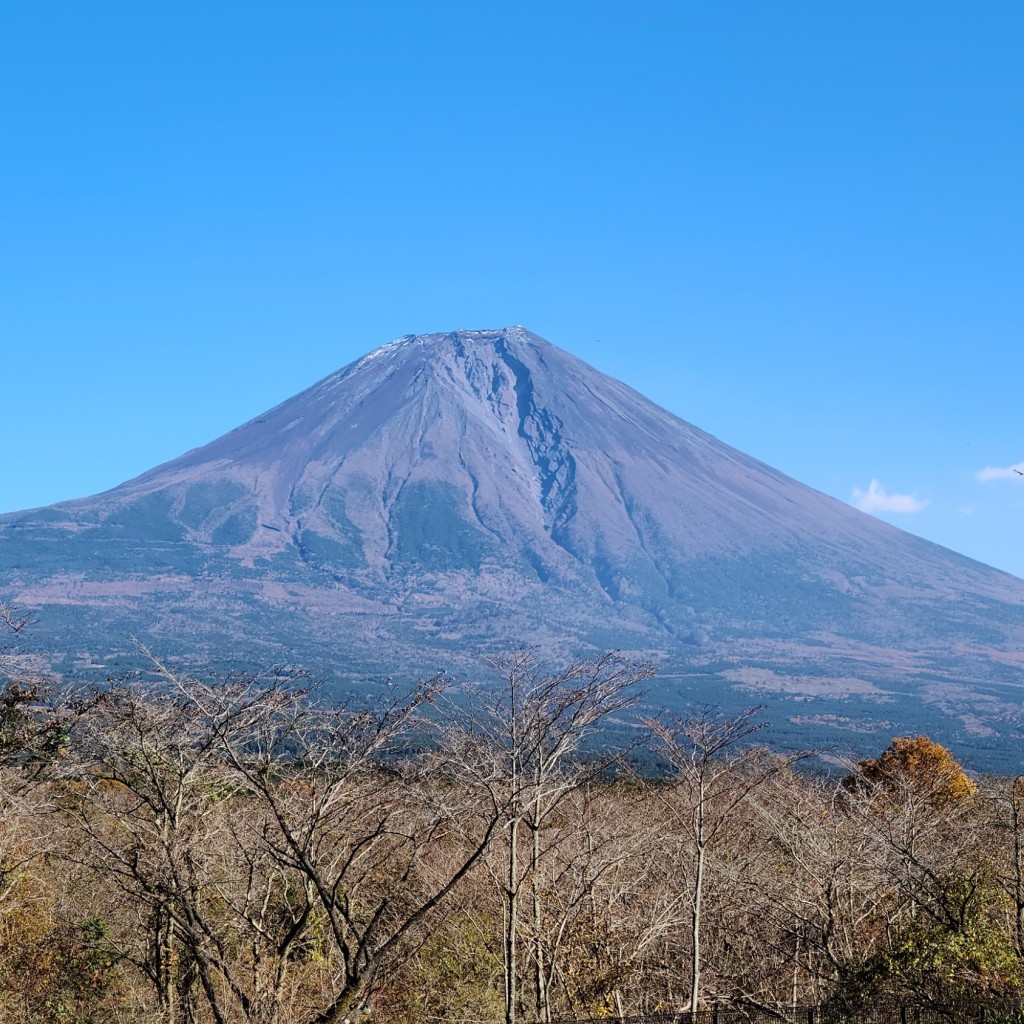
{"type": "Point", "coordinates": [606, 903]}
{"type": "Point", "coordinates": [33, 724]}
{"type": "Point", "coordinates": [146, 811]}
{"type": "Point", "coordinates": [1004, 799]}
{"type": "Point", "coordinates": [33, 728]}
{"type": "Point", "coordinates": [517, 742]}
{"type": "Point", "coordinates": [809, 884]}
{"type": "Point", "coordinates": [714, 771]}
{"type": "Point", "coordinates": [353, 816]}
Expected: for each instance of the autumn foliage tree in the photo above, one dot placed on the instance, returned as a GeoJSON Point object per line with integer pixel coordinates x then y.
{"type": "Point", "coordinates": [921, 763]}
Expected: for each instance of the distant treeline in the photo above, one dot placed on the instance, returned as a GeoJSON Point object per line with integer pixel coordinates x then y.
{"type": "Point", "coordinates": [234, 851]}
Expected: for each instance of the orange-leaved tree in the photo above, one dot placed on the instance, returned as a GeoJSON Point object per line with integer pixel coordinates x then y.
{"type": "Point", "coordinates": [921, 763]}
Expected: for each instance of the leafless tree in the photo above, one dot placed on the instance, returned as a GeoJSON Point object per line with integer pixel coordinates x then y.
{"type": "Point", "coordinates": [1004, 800]}
{"type": "Point", "coordinates": [714, 770]}
{"type": "Point", "coordinates": [356, 819]}
{"type": "Point", "coordinates": [517, 742]}
{"type": "Point", "coordinates": [606, 901]}
{"type": "Point", "coordinates": [814, 891]}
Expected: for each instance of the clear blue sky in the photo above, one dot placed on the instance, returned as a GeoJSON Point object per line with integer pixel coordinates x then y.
{"type": "Point", "coordinates": [798, 225]}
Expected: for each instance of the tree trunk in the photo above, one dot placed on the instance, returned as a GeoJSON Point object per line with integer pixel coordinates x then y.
{"type": "Point", "coordinates": [540, 968]}
{"type": "Point", "coordinates": [165, 954]}
{"type": "Point", "coordinates": [698, 890]}
{"type": "Point", "coordinates": [339, 1009]}
{"type": "Point", "coordinates": [511, 923]}
{"type": "Point", "coordinates": [1018, 873]}
{"type": "Point", "coordinates": [700, 840]}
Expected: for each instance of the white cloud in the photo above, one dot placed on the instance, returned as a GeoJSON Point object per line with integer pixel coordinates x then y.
{"type": "Point", "coordinates": [1014, 472]}
{"type": "Point", "coordinates": [875, 499]}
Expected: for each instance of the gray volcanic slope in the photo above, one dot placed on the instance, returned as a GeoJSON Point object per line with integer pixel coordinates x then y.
{"type": "Point", "coordinates": [457, 493]}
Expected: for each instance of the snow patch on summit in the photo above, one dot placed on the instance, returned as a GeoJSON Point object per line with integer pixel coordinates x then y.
{"type": "Point", "coordinates": [385, 350]}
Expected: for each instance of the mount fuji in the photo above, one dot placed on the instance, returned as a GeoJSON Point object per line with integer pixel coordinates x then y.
{"type": "Point", "coordinates": [454, 494]}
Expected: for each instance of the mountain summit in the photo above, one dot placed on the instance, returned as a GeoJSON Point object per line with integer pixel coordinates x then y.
{"type": "Point", "coordinates": [455, 493]}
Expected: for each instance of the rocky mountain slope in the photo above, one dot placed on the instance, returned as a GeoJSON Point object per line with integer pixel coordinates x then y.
{"type": "Point", "coordinates": [459, 493]}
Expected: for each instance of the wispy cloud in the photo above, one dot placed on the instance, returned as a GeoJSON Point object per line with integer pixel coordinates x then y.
{"type": "Point", "coordinates": [1014, 472]}
{"type": "Point", "coordinates": [875, 499]}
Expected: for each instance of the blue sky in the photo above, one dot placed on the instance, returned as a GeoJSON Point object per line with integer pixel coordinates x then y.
{"type": "Point", "coordinates": [798, 225]}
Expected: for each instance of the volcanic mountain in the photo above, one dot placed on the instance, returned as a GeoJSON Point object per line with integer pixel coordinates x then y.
{"type": "Point", "coordinates": [453, 494]}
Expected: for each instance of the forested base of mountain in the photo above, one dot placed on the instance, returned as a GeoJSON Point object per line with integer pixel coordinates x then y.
{"type": "Point", "coordinates": [235, 852]}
